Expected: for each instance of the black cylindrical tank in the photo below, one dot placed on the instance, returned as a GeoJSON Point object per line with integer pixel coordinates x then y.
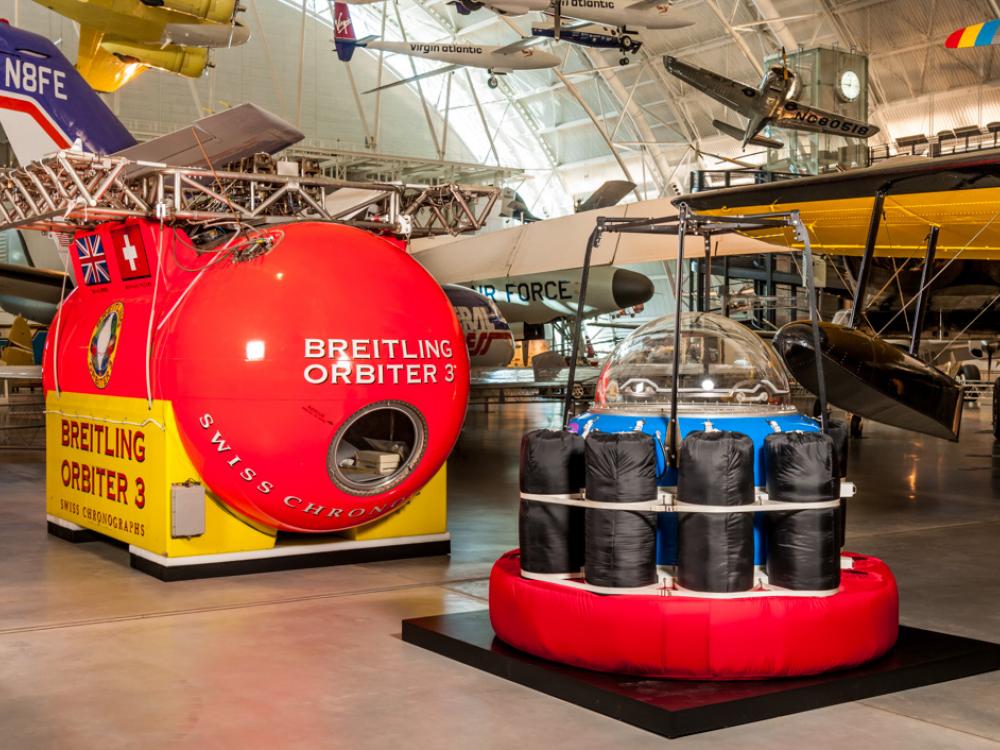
{"type": "Point", "coordinates": [715, 550]}
{"type": "Point", "coordinates": [551, 535]}
{"type": "Point", "coordinates": [620, 545]}
{"type": "Point", "coordinates": [803, 551]}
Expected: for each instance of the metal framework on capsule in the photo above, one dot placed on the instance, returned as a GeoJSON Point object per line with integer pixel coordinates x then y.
{"type": "Point", "coordinates": [69, 190]}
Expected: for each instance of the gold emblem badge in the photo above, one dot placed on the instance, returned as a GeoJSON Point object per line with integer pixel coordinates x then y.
{"type": "Point", "coordinates": [104, 344]}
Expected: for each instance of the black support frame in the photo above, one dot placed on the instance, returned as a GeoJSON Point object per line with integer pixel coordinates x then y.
{"type": "Point", "coordinates": [684, 223]}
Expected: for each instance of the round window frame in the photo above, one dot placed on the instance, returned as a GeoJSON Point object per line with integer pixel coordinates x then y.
{"type": "Point", "coordinates": [367, 489]}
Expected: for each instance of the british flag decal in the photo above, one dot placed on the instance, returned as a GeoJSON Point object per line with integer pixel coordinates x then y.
{"type": "Point", "coordinates": [93, 262]}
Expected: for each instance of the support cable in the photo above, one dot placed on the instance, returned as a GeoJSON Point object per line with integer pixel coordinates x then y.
{"type": "Point", "coordinates": [592, 242]}
{"type": "Point", "coordinates": [807, 255]}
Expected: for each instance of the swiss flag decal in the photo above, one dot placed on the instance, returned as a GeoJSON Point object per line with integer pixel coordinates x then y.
{"type": "Point", "coordinates": [130, 253]}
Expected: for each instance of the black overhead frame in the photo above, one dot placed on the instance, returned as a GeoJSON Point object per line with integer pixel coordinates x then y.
{"type": "Point", "coordinates": [864, 273]}
{"type": "Point", "coordinates": [920, 315]}
{"type": "Point", "coordinates": [688, 222]}
{"type": "Point", "coordinates": [857, 309]}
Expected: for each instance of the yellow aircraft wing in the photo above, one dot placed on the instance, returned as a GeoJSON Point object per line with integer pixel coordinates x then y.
{"type": "Point", "coordinates": [102, 70]}
{"type": "Point", "coordinates": [959, 193]}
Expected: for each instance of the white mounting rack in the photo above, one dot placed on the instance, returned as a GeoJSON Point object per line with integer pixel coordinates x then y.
{"type": "Point", "coordinates": [666, 502]}
{"type": "Point", "coordinates": [69, 190]}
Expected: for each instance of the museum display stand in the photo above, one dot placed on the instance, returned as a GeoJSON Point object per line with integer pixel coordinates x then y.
{"type": "Point", "coordinates": [131, 459]}
{"type": "Point", "coordinates": [681, 563]}
{"type": "Point", "coordinates": [582, 611]}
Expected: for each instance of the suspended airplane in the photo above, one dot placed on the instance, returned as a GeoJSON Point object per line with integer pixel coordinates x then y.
{"type": "Point", "coordinates": [957, 193]}
{"type": "Point", "coordinates": [645, 14]}
{"type": "Point", "coordinates": [618, 17]}
{"type": "Point", "coordinates": [770, 103]}
{"type": "Point", "coordinates": [586, 34]}
{"type": "Point", "coordinates": [119, 39]}
{"type": "Point", "coordinates": [496, 60]}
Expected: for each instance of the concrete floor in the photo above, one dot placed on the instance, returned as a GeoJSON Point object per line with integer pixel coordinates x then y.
{"type": "Point", "coordinates": [95, 655]}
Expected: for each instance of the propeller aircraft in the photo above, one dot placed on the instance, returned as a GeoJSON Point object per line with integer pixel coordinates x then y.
{"type": "Point", "coordinates": [770, 103]}
{"type": "Point", "coordinates": [119, 39]}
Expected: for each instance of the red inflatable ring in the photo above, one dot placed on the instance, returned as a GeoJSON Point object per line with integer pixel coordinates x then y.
{"type": "Point", "coordinates": [682, 637]}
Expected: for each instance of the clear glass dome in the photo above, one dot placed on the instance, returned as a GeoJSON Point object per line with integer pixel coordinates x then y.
{"type": "Point", "coordinates": [723, 367]}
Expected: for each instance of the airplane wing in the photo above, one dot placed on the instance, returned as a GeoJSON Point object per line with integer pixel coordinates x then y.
{"type": "Point", "coordinates": [102, 70]}
{"type": "Point", "coordinates": [797, 116]}
{"type": "Point", "coordinates": [526, 41]}
{"type": "Point", "coordinates": [420, 76]}
{"type": "Point", "coordinates": [644, 4]}
{"type": "Point", "coordinates": [37, 284]}
{"type": "Point", "coordinates": [515, 251]}
{"type": "Point", "coordinates": [575, 23]}
{"type": "Point", "coordinates": [950, 192]}
{"type": "Point", "coordinates": [218, 139]}
{"type": "Point", "coordinates": [733, 94]}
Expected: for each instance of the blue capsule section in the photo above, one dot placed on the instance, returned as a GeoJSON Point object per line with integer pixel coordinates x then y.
{"type": "Point", "coordinates": [755, 427]}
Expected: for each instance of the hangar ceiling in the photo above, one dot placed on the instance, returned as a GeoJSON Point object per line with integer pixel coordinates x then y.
{"type": "Point", "coordinates": [569, 129]}
{"type": "Point", "coordinates": [595, 119]}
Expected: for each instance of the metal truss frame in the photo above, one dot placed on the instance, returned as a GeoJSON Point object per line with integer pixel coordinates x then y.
{"type": "Point", "coordinates": [70, 190]}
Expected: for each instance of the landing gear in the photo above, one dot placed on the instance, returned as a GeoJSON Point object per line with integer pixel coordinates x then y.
{"type": "Point", "coordinates": [627, 44]}
{"type": "Point", "coordinates": [967, 373]}
{"type": "Point", "coordinates": [492, 82]}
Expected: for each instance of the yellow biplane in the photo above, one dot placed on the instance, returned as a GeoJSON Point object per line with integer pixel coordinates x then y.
{"type": "Point", "coordinates": [900, 199]}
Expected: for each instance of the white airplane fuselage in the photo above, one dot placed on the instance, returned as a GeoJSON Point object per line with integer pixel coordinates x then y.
{"type": "Point", "coordinates": [615, 13]}
{"type": "Point", "coordinates": [540, 298]}
{"type": "Point", "coordinates": [472, 55]}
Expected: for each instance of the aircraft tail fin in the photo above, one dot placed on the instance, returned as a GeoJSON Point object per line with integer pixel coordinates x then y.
{"type": "Point", "coordinates": [609, 194]}
{"type": "Point", "coordinates": [466, 7]}
{"type": "Point", "coordinates": [734, 132]}
{"type": "Point", "coordinates": [45, 105]}
{"type": "Point", "coordinates": [19, 349]}
{"type": "Point", "coordinates": [343, 32]}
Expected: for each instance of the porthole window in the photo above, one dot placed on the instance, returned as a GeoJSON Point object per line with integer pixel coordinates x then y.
{"type": "Point", "coordinates": [377, 448]}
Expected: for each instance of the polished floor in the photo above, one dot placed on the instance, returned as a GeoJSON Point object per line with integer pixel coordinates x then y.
{"type": "Point", "coordinates": [95, 655]}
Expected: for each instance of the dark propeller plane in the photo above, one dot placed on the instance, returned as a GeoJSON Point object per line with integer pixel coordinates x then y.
{"type": "Point", "coordinates": [770, 103]}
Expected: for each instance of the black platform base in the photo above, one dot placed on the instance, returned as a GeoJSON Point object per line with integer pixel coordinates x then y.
{"type": "Point", "coordinates": [286, 556]}
{"type": "Point", "coordinates": [674, 708]}
{"type": "Point", "coordinates": [76, 536]}
{"type": "Point", "coordinates": [298, 561]}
